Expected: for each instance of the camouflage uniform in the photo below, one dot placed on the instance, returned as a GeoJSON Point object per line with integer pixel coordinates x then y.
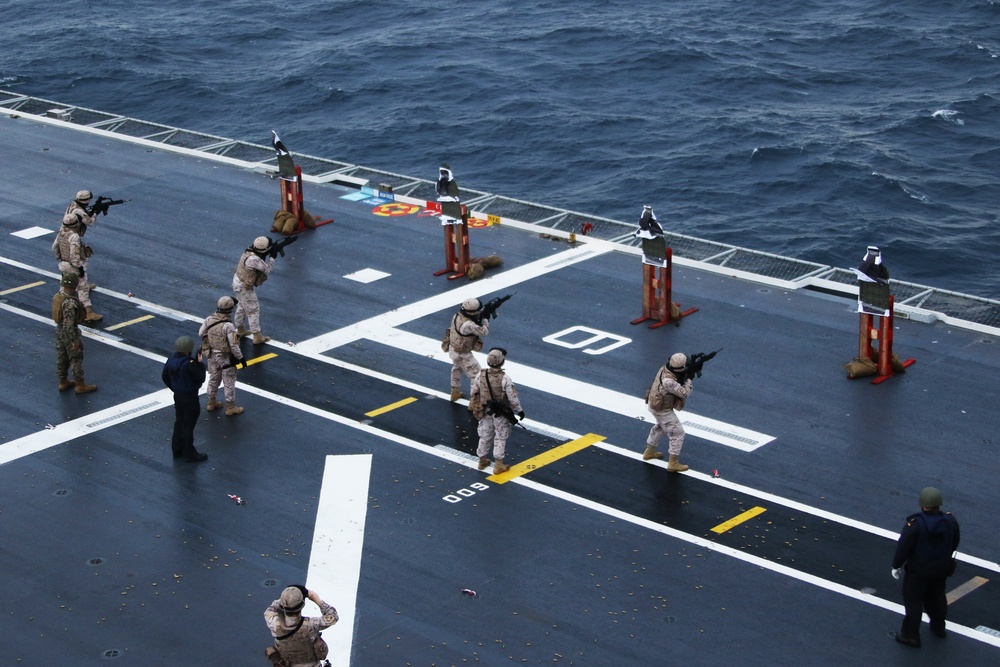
{"type": "Point", "coordinates": [666, 395]}
{"type": "Point", "coordinates": [464, 337]}
{"type": "Point", "coordinates": [222, 347]}
{"type": "Point", "coordinates": [251, 272]}
{"type": "Point", "coordinates": [68, 313]}
{"type": "Point", "coordinates": [69, 249]}
{"type": "Point", "coordinates": [494, 429]}
{"type": "Point", "coordinates": [296, 645]}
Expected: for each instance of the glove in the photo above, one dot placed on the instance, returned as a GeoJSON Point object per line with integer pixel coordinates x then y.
{"type": "Point", "coordinates": [521, 414]}
{"type": "Point", "coordinates": [896, 571]}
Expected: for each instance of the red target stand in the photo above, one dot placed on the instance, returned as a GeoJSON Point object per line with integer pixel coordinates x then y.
{"type": "Point", "coordinates": [875, 342]}
{"type": "Point", "coordinates": [291, 200]}
{"type": "Point", "coordinates": [455, 223]}
{"type": "Point", "coordinates": [657, 285]}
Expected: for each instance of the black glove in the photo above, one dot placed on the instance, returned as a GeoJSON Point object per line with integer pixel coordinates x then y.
{"type": "Point", "coordinates": [521, 414]}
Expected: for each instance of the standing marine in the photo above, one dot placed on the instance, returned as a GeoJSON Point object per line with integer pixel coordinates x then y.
{"type": "Point", "coordinates": [68, 313]}
{"type": "Point", "coordinates": [221, 345]}
{"type": "Point", "coordinates": [464, 338]}
{"type": "Point", "coordinates": [925, 554]}
{"type": "Point", "coordinates": [667, 394]}
{"type": "Point", "coordinates": [494, 402]}
{"type": "Point", "coordinates": [73, 255]}
{"type": "Point", "coordinates": [251, 271]}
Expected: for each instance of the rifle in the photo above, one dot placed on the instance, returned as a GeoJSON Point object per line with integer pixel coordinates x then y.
{"type": "Point", "coordinates": [103, 204]}
{"type": "Point", "coordinates": [696, 361]}
{"type": "Point", "coordinates": [278, 247]}
{"type": "Point", "coordinates": [503, 409]}
{"type": "Point", "coordinates": [490, 309]}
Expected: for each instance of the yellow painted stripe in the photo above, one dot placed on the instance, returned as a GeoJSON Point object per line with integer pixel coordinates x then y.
{"type": "Point", "coordinates": [263, 357]}
{"type": "Point", "coordinates": [390, 407]}
{"type": "Point", "coordinates": [18, 289]}
{"type": "Point", "coordinates": [546, 458]}
{"type": "Point", "coordinates": [738, 519]}
{"type": "Point", "coordinates": [966, 588]}
{"type": "Point", "coordinates": [125, 324]}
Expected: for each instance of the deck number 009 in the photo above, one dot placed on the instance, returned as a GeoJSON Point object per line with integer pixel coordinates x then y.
{"type": "Point", "coordinates": [465, 493]}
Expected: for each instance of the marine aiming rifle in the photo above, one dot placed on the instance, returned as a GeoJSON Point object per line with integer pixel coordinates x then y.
{"type": "Point", "coordinates": [278, 247]}
{"type": "Point", "coordinates": [490, 309]}
{"type": "Point", "coordinates": [696, 361]}
{"type": "Point", "coordinates": [102, 205]}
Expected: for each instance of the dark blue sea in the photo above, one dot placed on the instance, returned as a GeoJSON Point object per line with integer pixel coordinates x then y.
{"type": "Point", "coordinates": [800, 127]}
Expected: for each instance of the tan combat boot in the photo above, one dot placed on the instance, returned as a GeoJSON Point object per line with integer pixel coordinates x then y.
{"type": "Point", "coordinates": [241, 332]}
{"type": "Point", "coordinates": [484, 461]}
{"type": "Point", "coordinates": [259, 338]}
{"type": "Point", "coordinates": [651, 453]}
{"type": "Point", "coordinates": [65, 384]}
{"type": "Point", "coordinates": [500, 467]}
{"type": "Point", "coordinates": [92, 316]}
{"type": "Point", "coordinates": [233, 409]}
{"type": "Point", "coordinates": [456, 394]}
{"type": "Point", "coordinates": [212, 404]}
{"type": "Point", "coordinates": [673, 465]}
{"type": "Point", "coordinates": [83, 388]}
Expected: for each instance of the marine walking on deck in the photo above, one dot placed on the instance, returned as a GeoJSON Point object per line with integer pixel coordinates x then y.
{"type": "Point", "coordinates": [493, 400]}
{"type": "Point", "coordinates": [221, 346]}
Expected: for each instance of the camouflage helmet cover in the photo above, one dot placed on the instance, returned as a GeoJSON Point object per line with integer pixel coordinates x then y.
{"type": "Point", "coordinates": [261, 243]}
{"type": "Point", "coordinates": [84, 196]}
{"type": "Point", "coordinates": [678, 361]}
{"type": "Point", "coordinates": [225, 304]}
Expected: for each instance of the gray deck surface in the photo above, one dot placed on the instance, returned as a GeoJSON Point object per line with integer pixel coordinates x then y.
{"type": "Point", "coordinates": [112, 553]}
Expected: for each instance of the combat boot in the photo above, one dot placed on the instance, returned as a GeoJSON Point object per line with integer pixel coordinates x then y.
{"type": "Point", "coordinates": [241, 332]}
{"type": "Point", "coordinates": [233, 409]}
{"type": "Point", "coordinates": [673, 465]}
{"type": "Point", "coordinates": [500, 467]}
{"type": "Point", "coordinates": [212, 404]}
{"type": "Point", "coordinates": [483, 462]}
{"type": "Point", "coordinates": [92, 316]}
{"type": "Point", "coordinates": [456, 394]}
{"type": "Point", "coordinates": [65, 384]}
{"type": "Point", "coordinates": [259, 338]}
{"type": "Point", "coordinates": [83, 388]}
{"type": "Point", "coordinates": [651, 453]}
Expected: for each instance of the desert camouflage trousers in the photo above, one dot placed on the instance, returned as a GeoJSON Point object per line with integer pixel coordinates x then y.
{"type": "Point", "coordinates": [83, 289]}
{"type": "Point", "coordinates": [667, 424]}
{"type": "Point", "coordinates": [66, 357]}
{"type": "Point", "coordinates": [493, 431]}
{"type": "Point", "coordinates": [248, 307]}
{"type": "Point", "coordinates": [463, 362]}
{"type": "Point", "coordinates": [217, 374]}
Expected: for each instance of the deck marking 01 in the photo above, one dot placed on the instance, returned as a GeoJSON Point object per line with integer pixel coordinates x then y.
{"type": "Point", "coordinates": [263, 357]}
{"type": "Point", "coordinates": [390, 407]}
{"type": "Point", "coordinates": [130, 322]}
{"type": "Point", "coordinates": [738, 519]}
{"type": "Point", "coordinates": [18, 289]}
{"type": "Point", "coordinates": [335, 558]}
{"type": "Point", "coordinates": [545, 458]}
{"type": "Point", "coordinates": [966, 588]}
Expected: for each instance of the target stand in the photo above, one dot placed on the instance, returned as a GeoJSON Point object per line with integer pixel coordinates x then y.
{"type": "Point", "coordinates": [291, 201]}
{"type": "Point", "coordinates": [455, 223]}
{"type": "Point", "coordinates": [657, 286]}
{"type": "Point", "coordinates": [875, 342]}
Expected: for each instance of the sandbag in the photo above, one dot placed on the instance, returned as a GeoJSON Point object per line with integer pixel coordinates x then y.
{"type": "Point", "coordinates": [860, 367]}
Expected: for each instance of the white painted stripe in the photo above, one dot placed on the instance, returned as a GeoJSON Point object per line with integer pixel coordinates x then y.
{"type": "Point", "coordinates": [32, 232]}
{"type": "Point", "coordinates": [96, 421]}
{"type": "Point", "coordinates": [501, 281]}
{"type": "Point", "coordinates": [617, 402]}
{"type": "Point", "coordinates": [338, 538]}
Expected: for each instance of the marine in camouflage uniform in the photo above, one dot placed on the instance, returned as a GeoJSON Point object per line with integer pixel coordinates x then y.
{"type": "Point", "coordinates": [221, 345]}
{"type": "Point", "coordinates": [295, 635]}
{"type": "Point", "coordinates": [667, 394]}
{"type": "Point", "coordinates": [251, 272]}
{"type": "Point", "coordinates": [73, 254]}
{"type": "Point", "coordinates": [493, 385]}
{"type": "Point", "coordinates": [67, 313]}
{"type": "Point", "coordinates": [464, 337]}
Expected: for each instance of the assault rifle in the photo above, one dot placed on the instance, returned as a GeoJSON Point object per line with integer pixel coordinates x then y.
{"type": "Point", "coordinates": [696, 361]}
{"type": "Point", "coordinates": [503, 409]}
{"type": "Point", "coordinates": [490, 309]}
{"type": "Point", "coordinates": [103, 204]}
{"type": "Point", "coordinates": [278, 247]}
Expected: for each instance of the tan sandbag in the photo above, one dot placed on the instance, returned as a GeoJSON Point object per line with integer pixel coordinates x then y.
{"type": "Point", "coordinates": [860, 367]}
{"type": "Point", "coordinates": [280, 220]}
{"type": "Point", "coordinates": [308, 220]}
{"type": "Point", "coordinates": [291, 225]}
{"type": "Point", "coordinates": [675, 311]}
{"type": "Point", "coordinates": [491, 261]}
{"type": "Point", "coordinates": [474, 271]}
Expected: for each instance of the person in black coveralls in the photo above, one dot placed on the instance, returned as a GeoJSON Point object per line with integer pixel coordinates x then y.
{"type": "Point", "coordinates": [924, 551]}
{"type": "Point", "coordinates": [184, 375]}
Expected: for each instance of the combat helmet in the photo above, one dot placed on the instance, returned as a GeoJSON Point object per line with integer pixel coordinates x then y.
{"type": "Point", "coordinates": [678, 361]}
{"type": "Point", "coordinates": [84, 196]}
{"type": "Point", "coordinates": [261, 243]}
{"type": "Point", "coordinates": [225, 304]}
{"type": "Point", "coordinates": [496, 357]}
{"type": "Point", "coordinates": [931, 497]}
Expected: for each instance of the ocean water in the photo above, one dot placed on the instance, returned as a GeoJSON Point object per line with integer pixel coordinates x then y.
{"type": "Point", "coordinates": [804, 128]}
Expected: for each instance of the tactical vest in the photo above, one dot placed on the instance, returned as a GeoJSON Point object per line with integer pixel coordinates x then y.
{"type": "Point", "coordinates": [81, 215]}
{"type": "Point", "coordinates": [659, 398]}
{"type": "Point", "coordinates": [491, 387]}
{"type": "Point", "coordinates": [62, 247]}
{"type": "Point", "coordinates": [247, 276]}
{"type": "Point", "coordinates": [59, 307]}
{"type": "Point", "coordinates": [461, 342]}
{"type": "Point", "coordinates": [215, 333]}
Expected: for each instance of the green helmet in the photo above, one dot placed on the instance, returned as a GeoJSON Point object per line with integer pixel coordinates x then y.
{"type": "Point", "coordinates": [70, 280]}
{"type": "Point", "coordinates": [931, 497]}
{"type": "Point", "coordinates": [184, 345]}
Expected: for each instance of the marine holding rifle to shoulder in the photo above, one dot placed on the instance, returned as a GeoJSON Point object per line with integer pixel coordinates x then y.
{"type": "Point", "coordinates": [252, 270]}
{"type": "Point", "coordinates": [73, 254]}
{"type": "Point", "coordinates": [464, 337]}
{"type": "Point", "coordinates": [671, 387]}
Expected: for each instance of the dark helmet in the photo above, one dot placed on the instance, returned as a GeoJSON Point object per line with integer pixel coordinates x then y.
{"type": "Point", "coordinates": [931, 497]}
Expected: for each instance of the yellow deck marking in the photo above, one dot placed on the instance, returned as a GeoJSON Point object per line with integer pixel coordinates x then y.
{"type": "Point", "coordinates": [738, 519]}
{"type": "Point", "coordinates": [18, 289]}
{"type": "Point", "coordinates": [390, 407]}
{"type": "Point", "coordinates": [966, 588]}
{"type": "Point", "coordinates": [546, 458]}
{"type": "Point", "coordinates": [263, 357]}
{"type": "Point", "coordinates": [125, 324]}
